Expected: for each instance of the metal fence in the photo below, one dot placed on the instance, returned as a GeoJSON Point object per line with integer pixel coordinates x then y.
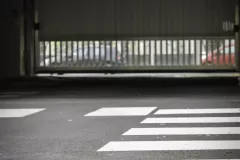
{"type": "Point", "coordinates": [138, 54]}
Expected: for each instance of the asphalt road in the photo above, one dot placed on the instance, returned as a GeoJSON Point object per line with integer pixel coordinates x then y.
{"type": "Point", "coordinates": [70, 125]}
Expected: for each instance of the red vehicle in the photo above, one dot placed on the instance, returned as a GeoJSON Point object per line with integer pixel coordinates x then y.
{"type": "Point", "coordinates": [222, 56]}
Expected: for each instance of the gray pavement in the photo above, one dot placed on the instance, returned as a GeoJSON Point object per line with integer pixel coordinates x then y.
{"type": "Point", "coordinates": [62, 131]}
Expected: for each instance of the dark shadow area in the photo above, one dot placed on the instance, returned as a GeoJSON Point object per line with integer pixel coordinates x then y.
{"type": "Point", "coordinates": [90, 82]}
{"type": "Point", "coordinates": [124, 87]}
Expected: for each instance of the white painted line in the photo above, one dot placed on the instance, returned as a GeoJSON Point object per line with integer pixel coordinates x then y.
{"type": "Point", "coordinates": [193, 120]}
{"type": "Point", "coordinates": [124, 111]}
{"type": "Point", "coordinates": [183, 131]}
{"type": "Point", "coordinates": [17, 113]}
{"type": "Point", "coordinates": [197, 111]}
{"type": "Point", "coordinates": [170, 145]}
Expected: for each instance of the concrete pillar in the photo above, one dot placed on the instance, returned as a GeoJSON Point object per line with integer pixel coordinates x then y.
{"type": "Point", "coordinates": [29, 37]}
{"type": "Point", "coordinates": [11, 47]}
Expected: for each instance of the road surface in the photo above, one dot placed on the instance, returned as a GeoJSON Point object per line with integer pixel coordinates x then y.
{"type": "Point", "coordinates": [120, 123]}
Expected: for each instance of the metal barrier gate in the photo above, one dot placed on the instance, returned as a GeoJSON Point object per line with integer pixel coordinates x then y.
{"type": "Point", "coordinates": [190, 53]}
{"type": "Point", "coordinates": [187, 36]}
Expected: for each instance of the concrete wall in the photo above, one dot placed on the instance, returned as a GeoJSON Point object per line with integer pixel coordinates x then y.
{"type": "Point", "coordinates": [10, 34]}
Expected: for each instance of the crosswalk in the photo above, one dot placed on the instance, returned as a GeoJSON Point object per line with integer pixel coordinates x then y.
{"type": "Point", "coordinates": [178, 117]}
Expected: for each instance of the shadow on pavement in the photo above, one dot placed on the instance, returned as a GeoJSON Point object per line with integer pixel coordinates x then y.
{"type": "Point", "coordinates": [92, 87]}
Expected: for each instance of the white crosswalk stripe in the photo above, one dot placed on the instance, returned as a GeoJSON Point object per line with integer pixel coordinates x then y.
{"type": "Point", "coordinates": [193, 120]}
{"type": "Point", "coordinates": [197, 111]}
{"type": "Point", "coordinates": [123, 111]}
{"type": "Point", "coordinates": [184, 131]}
{"type": "Point", "coordinates": [170, 145]}
{"type": "Point", "coordinates": [17, 113]}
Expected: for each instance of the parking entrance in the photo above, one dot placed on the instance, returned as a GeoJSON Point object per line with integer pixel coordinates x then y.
{"type": "Point", "coordinates": [136, 35]}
